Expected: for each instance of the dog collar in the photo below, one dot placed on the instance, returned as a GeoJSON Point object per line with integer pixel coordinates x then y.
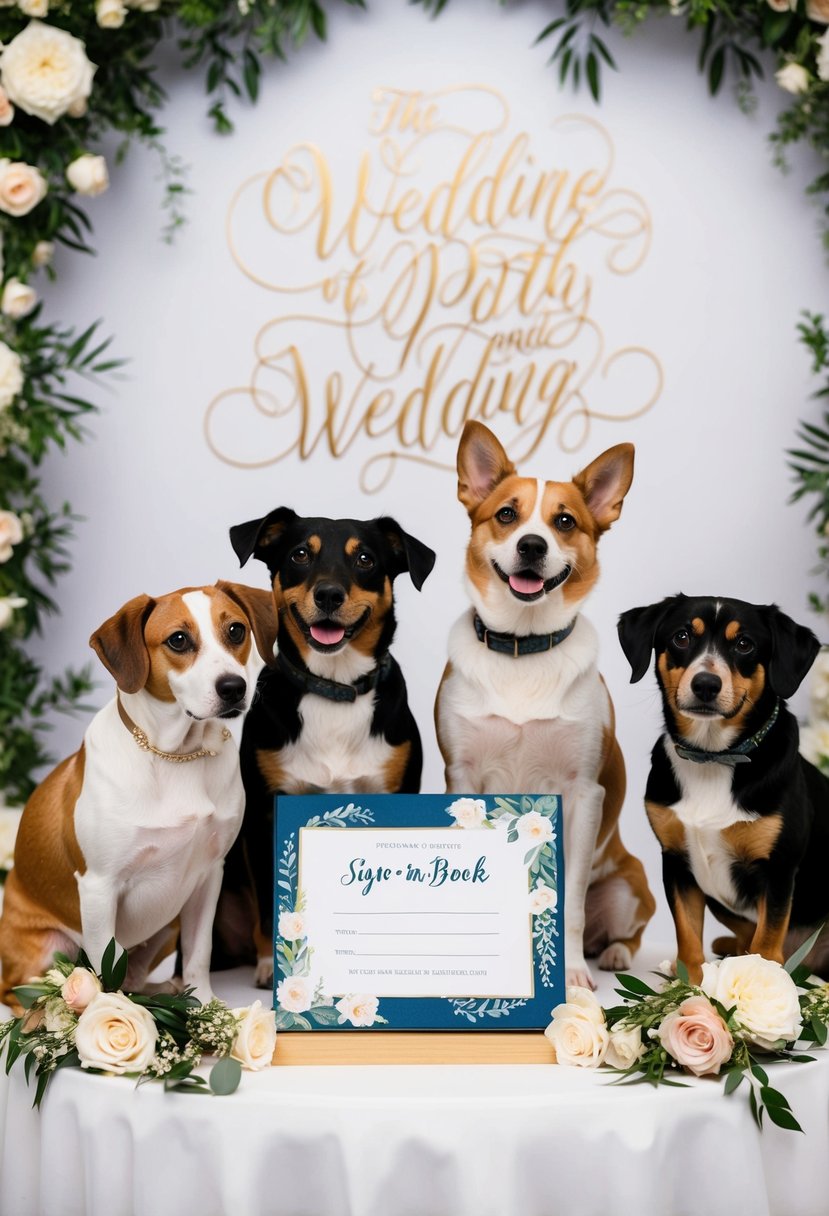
{"type": "Point", "coordinates": [732, 756]}
{"type": "Point", "coordinates": [143, 742]}
{"type": "Point", "coordinates": [331, 689]}
{"type": "Point", "coordinates": [529, 643]}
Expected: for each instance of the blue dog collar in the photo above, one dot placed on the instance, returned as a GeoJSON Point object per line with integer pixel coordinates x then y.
{"type": "Point", "coordinates": [732, 756]}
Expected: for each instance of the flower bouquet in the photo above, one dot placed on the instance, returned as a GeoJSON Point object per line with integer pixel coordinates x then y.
{"type": "Point", "coordinates": [75, 1018]}
{"type": "Point", "coordinates": [746, 1012]}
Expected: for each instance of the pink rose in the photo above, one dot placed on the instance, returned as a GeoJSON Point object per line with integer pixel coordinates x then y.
{"type": "Point", "coordinates": [697, 1037]}
{"type": "Point", "coordinates": [79, 988]}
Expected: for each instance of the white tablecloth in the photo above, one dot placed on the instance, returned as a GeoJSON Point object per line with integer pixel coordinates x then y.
{"type": "Point", "coordinates": [529, 1140]}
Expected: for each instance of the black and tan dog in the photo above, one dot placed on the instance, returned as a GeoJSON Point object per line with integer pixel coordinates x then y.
{"type": "Point", "coordinates": [331, 714]}
{"type": "Point", "coordinates": [742, 818]}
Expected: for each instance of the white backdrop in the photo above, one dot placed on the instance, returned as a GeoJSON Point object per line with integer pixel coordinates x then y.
{"type": "Point", "coordinates": [735, 255]}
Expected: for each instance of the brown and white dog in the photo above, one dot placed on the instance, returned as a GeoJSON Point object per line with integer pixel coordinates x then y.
{"type": "Point", "coordinates": [522, 707]}
{"type": "Point", "coordinates": [128, 835]}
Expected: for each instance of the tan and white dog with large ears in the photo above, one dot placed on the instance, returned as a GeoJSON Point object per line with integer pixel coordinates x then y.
{"type": "Point", "coordinates": [522, 707]}
{"type": "Point", "coordinates": [128, 836]}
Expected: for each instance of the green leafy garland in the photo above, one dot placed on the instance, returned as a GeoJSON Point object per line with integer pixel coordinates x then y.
{"type": "Point", "coordinates": [49, 166]}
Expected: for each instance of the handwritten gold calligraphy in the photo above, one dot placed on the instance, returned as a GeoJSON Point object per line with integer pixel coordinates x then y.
{"type": "Point", "coordinates": [454, 274]}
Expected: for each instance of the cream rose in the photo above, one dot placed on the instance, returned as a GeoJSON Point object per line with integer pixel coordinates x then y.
{"type": "Point", "coordinates": [468, 812]}
{"type": "Point", "coordinates": [9, 823]}
{"type": "Point", "coordinates": [625, 1046]}
{"type": "Point", "coordinates": [22, 187]}
{"type": "Point", "coordinates": [45, 70]}
{"type": "Point", "coordinates": [581, 1002]}
{"type": "Point", "coordinates": [80, 988]}
{"type": "Point", "coordinates": [291, 925]}
{"type": "Point", "coordinates": [18, 299]}
{"type": "Point", "coordinates": [115, 1035]}
{"type": "Point", "coordinates": [818, 10]}
{"type": "Point", "coordinates": [11, 375]}
{"type": "Point", "coordinates": [33, 8]}
{"type": "Point", "coordinates": [823, 56]}
{"type": "Point", "coordinates": [576, 1039]}
{"type": "Point", "coordinates": [766, 1000]}
{"type": "Point", "coordinates": [88, 174]}
{"type": "Point", "coordinates": [697, 1037]}
{"type": "Point", "coordinates": [782, 6]}
{"type": "Point", "coordinates": [6, 109]}
{"type": "Point", "coordinates": [542, 898]}
{"type": "Point", "coordinates": [42, 254]}
{"type": "Point", "coordinates": [8, 606]}
{"type": "Point", "coordinates": [11, 534]}
{"type": "Point", "coordinates": [358, 1010]}
{"type": "Point", "coordinates": [793, 78]}
{"type": "Point", "coordinates": [534, 827]}
{"type": "Point", "coordinates": [110, 14]}
{"type": "Point", "coordinates": [255, 1037]}
{"type": "Point", "coordinates": [294, 993]}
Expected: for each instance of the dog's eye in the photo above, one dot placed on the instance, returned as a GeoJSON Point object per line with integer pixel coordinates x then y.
{"type": "Point", "coordinates": [744, 645]}
{"type": "Point", "coordinates": [564, 522]}
{"type": "Point", "coordinates": [301, 556]}
{"type": "Point", "coordinates": [507, 515]}
{"type": "Point", "coordinates": [179, 641]}
{"type": "Point", "coordinates": [365, 561]}
{"type": "Point", "coordinates": [236, 633]}
{"type": "Point", "coordinates": [681, 639]}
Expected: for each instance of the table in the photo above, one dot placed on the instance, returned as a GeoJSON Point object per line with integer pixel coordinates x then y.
{"type": "Point", "coordinates": [397, 1140]}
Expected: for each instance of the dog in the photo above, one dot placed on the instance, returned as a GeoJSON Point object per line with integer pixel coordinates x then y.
{"type": "Point", "coordinates": [127, 836]}
{"type": "Point", "coordinates": [332, 715]}
{"type": "Point", "coordinates": [742, 818]}
{"type": "Point", "coordinates": [522, 707]}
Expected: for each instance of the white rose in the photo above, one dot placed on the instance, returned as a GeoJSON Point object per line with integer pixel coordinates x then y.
{"type": "Point", "coordinates": [11, 375]}
{"type": "Point", "coordinates": [33, 8]}
{"type": "Point", "coordinates": [294, 993]}
{"type": "Point", "coordinates": [468, 812]}
{"type": "Point", "coordinates": [115, 1034]}
{"type": "Point", "coordinates": [625, 1046]}
{"type": "Point", "coordinates": [58, 1019]}
{"type": "Point", "coordinates": [823, 56]}
{"type": "Point", "coordinates": [42, 254]}
{"type": "Point", "coordinates": [793, 78]}
{"type": "Point", "coordinates": [534, 827]}
{"type": "Point", "coordinates": [577, 1040]}
{"type": "Point", "coordinates": [291, 925]}
{"type": "Point", "coordinates": [9, 823]}
{"type": "Point", "coordinates": [255, 1037]}
{"type": "Point", "coordinates": [18, 299]}
{"type": "Point", "coordinates": [45, 70]}
{"type": "Point", "coordinates": [11, 534]}
{"type": "Point", "coordinates": [110, 14]}
{"type": "Point", "coordinates": [8, 606]}
{"type": "Point", "coordinates": [766, 1000]}
{"type": "Point", "coordinates": [88, 174]}
{"type": "Point", "coordinates": [80, 987]}
{"type": "Point", "coordinates": [581, 1003]}
{"type": "Point", "coordinates": [358, 1010]}
{"type": "Point", "coordinates": [22, 187]}
{"type": "Point", "coordinates": [542, 898]}
{"type": "Point", "coordinates": [6, 109]}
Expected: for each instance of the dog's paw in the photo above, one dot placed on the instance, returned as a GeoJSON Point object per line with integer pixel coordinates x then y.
{"type": "Point", "coordinates": [615, 957]}
{"type": "Point", "coordinates": [725, 947]}
{"type": "Point", "coordinates": [263, 976]}
{"type": "Point", "coordinates": [580, 977]}
{"type": "Point", "coordinates": [171, 987]}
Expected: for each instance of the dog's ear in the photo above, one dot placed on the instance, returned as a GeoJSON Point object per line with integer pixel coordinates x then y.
{"type": "Point", "coordinates": [793, 651]}
{"type": "Point", "coordinates": [120, 645]}
{"type": "Point", "coordinates": [482, 463]}
{"type": "Point", "coordinates": [408, 553]}
{"type": "Point", "coordinates": [258, 607]}
{"type": "Point", "coordinates": [605, 482]}
{"type": "Point", "coordinates": [259, 536]}
{"type": "Point", "coordinates": [637, 633]}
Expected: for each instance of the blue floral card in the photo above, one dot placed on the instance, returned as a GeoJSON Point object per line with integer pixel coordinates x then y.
{"type": "Point", "coordinates": [417, 911]}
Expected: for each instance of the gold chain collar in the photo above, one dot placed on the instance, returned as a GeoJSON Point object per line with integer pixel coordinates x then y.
{"type": "Point", "coordinates": [143, 742]}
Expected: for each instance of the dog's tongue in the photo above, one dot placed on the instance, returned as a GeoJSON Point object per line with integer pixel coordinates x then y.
{"type": "Point", "coordinates": [526, 584]}
{"type": "Point", "coordinates": [327, 635]}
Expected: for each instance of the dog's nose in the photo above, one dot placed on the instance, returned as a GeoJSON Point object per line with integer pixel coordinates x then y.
{"type": "Point", "coordinates": [231, 689]}
{"type": "Point", "coordinates": [328, 597]}
{"type": "Point", "coordinates": [706, 686]}
{"type": "Point", "coordinates": [532, 548]}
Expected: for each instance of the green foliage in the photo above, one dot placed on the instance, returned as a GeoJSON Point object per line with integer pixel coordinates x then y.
{"type": "Point", "coordinates": [809, 461]}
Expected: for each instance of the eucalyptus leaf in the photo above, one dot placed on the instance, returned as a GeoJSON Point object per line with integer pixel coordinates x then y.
{"type": "Point", "coordinates": [225, 1076]}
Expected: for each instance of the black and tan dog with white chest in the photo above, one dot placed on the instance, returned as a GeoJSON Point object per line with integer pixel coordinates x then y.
{"type": "Point", "coordinates": [742, 817]}
{"type": "Point", "coordinates": [332, 714]}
